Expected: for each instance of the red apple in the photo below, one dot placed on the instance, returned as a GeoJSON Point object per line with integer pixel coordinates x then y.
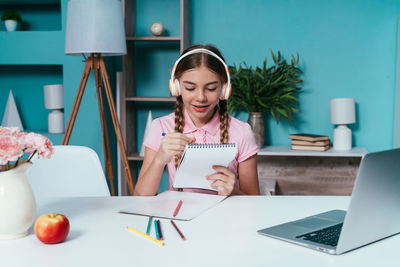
{"type": "Point", "coordinates": [51, 228]}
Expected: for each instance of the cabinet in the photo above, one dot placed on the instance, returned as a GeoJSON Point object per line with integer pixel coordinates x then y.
{"type": "Point", "coordinates": [307, 172]}
{"type": "Point", "coordinates": [145, 67]}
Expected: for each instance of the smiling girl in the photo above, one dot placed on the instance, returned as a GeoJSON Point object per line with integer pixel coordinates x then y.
{"type": "Point", "coordinates": [200, 80]}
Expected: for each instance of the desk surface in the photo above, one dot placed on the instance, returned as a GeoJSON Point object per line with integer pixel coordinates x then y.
{"type": "Point", "coordinates": [222, 236]}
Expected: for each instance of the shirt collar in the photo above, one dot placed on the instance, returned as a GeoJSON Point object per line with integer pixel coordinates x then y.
{"type": "Point", "coordinates": [211, 127]}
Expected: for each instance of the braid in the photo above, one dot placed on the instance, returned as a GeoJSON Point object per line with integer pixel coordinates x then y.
{"type": "Point", "coordinates": [224, 121]}
{"type": "Point", "coordinates": [179, 122]}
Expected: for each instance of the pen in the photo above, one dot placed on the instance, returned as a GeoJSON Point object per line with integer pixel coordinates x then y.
{"type": "Point", "coordinates": [149, 225]}
{"type": "Point", "coordinates": [177, 229]}
{"type": "Point", "coordinates": [177, 208]}
{"type": "Point", "coordinates": [145, 236]}
{"type": "Point", "coordinates": [157, 230]}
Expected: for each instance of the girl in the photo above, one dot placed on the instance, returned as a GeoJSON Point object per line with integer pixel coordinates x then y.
{"type": "Point", "coordinates": [200, 80]}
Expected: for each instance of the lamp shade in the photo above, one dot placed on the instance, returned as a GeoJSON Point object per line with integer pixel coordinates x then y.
{"type": "Point", "coordinates": [53, 96]}
{"type": "Point", "coordinates": [342, 111]}
{"type": "Point", "coordinates": [95, 26]}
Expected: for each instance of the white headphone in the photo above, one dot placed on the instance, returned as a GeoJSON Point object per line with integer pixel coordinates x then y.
{"type": "Point", "coordinates": [174, 86]}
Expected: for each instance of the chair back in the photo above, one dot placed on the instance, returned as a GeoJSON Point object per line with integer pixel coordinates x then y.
{"type": "Point", "coordinates": [72, 171]}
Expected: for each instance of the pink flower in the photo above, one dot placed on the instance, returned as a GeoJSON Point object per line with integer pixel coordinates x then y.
{"type": "Point", "coordinates": [10, 148]}
{"type": "Point", "coordinates": [36, 142]}
{"type": "Point", "coordinates": [8, 131]}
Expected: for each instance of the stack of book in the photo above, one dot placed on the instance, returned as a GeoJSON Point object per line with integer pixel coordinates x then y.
{"type": "Point", "coordinates": [311, 142]}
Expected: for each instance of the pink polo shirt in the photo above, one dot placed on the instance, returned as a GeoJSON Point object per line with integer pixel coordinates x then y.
{"type": "Point", "coordinates": [239, 133]}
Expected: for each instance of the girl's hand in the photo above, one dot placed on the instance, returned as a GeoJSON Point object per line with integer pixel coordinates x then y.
{"type": "Point", "coordinates": [224, 180]}
{"type": "Point", "coordinates": [172, 144]}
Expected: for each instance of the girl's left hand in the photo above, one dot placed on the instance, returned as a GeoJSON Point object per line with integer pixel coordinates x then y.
{"type": "Point", "coordinates": [224, 180]}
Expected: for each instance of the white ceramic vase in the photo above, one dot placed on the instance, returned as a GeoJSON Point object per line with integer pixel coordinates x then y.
{"type": "Point", "coordinates": [17, 203]}
{"type": "Point", "coordinates": [11, 25]}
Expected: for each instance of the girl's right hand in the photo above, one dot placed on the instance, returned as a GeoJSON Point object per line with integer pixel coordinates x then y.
{"type": "Point", "coordinates": [172, 144]}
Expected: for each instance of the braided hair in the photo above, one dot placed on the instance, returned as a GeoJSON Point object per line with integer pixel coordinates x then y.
{"type": "Point", "coordinates": [193, 61]}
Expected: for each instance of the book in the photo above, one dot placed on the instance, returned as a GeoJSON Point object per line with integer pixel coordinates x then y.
{"type": "Point", "coordinates": [197, 161]}
{"type": "Point", "coordinates": [308, 137]}
{"type": "Point", "coordinates": [311, 143]}
{"type": "Point", "coordinates": [164, 205]}
{"type": "Point", "coordinates": [310, 148]}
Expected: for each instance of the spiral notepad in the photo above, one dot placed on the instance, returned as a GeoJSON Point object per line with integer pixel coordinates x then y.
{"type": "Point", "coordinates": [197, 161]}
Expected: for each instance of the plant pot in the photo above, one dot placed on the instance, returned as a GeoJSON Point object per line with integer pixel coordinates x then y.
{"type": "Point", "coordinates": [11, 25]}
{"type": "Point", "coordinates": [257, 125]}
{"type": "Point", "coordinates": [17, 203]}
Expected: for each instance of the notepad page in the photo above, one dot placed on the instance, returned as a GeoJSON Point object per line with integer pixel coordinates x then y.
{"type": "Point", "coordinates": [197, 161]}
{"type": "Point", "coordinates": [164, 205]}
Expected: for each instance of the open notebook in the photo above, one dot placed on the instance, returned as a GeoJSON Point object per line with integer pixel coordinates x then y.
{"type": "Point", "coordinates": [164, 205]}
{"type": "Point", "coordinates": [197, 161]}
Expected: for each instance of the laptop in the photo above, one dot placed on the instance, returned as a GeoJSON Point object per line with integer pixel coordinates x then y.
{"type": "Point", "coordinates": [373, 212]}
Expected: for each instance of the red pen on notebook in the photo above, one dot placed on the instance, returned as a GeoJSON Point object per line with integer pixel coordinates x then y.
{"type": "Point", "coordinates": [177, 208]}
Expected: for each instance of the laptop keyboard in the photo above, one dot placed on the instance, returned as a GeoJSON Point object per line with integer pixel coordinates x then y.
{"type": "Point", "coordinates": [328, 236]}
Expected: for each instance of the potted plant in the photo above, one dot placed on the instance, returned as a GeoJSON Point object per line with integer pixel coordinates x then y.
{"type": "Point", "coordinates": [272, 89]}
{"type": "Point", "coordinates": [11, 19]}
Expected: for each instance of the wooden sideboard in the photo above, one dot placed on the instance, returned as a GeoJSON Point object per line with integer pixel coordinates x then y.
{"type": "Point", "coordinates": [307, 172]}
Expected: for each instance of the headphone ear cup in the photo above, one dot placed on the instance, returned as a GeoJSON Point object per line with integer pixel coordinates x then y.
{"type": "Point", "coordinates": [171, 87]}
{"type": "Point", "coordinates": [174, 87]}
{"type": "Point", "coordinates": [177, 87]}
{"type": "Point", "coordinates": [226, 92]}
{"type": "Point", "coordinates": [222, 92]}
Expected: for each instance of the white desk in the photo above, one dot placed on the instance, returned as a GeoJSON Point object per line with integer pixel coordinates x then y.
{"type": "Point", "coordinates": [223, 236]}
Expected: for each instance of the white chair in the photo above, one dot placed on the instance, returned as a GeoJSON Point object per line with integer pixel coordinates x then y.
{"type": "Point", "coordinates": [72, 171]}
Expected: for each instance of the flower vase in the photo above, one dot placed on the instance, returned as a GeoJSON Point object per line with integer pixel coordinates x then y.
{"type": "Point", "coordinates": [17, 203]}
{"type": "Point", "coordinates": [257, 125]}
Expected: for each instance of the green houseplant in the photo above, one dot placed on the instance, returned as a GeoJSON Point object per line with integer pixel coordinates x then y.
{"type": "Point", "coordinates": [260, 89]}
{"type": "Point", "coordinates": [11, 19]}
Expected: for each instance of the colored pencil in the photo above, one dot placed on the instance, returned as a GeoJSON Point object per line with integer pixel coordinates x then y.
{"type": "Point", "coordinates": [159, 230]}
{"type": "Point", "coordinates": [178, 207]}
{"type": "Point", "coordinates": [145, 236]}
{"type": "Point", "coordinates": [177, 229]}
{"type": "Point", "coordinates": [149, 225]}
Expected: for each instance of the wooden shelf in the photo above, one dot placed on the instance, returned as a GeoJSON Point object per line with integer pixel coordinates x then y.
{"type": "Point", "coordinates": [150, 99]}
{"type": "Point", "coordinates": [135, 157]}
{"type": "Point", "coordinates": [287, 151]}
{"type": "Point", "coordinates": [155, 39]}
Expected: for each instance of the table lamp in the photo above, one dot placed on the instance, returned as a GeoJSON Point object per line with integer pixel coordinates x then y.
{"type": "Point", "coordinates": [95, 28]}
{"type": "Point", "coordinates": [54, 100]}
{"type": "Point", "coordinates": [342, 112]}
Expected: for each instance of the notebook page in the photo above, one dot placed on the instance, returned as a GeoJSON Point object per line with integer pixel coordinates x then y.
{"type": "Point", "coordinates": [197, 161]}
{"type": "Point", "coordinates": [164, 205]}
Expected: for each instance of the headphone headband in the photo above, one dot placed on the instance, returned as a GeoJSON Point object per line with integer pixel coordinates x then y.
{"type": "Point", "coordinates": [174, 85]}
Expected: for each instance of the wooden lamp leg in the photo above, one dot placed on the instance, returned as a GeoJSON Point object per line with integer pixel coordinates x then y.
{"type": "Point", "coordinates": [117, 127]}
{"type": "Point", "coordinates": [77, 102]}
{"type": "Point", "coordinates": [103, 120]}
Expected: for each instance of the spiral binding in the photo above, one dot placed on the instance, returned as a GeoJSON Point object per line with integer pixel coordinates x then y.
{"type": "Point", "coordinates": [195, 145]}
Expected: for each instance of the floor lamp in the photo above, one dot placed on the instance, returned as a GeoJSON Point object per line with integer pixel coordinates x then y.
{"type": "Point", "coordinates": [95, 28]}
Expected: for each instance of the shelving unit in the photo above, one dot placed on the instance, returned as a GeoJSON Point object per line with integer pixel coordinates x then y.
{"type": "Point", "coordinates": [309, 172]}
{"type": "Point", "coordinates": [25, 69]}
{"type": "Point", "coordinates": [138, 93]}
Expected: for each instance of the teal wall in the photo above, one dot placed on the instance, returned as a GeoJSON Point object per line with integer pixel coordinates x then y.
{"type": "Point", "coordinates": [346, 48]}
{"type": "Point", "coordinates": [34, 56]}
